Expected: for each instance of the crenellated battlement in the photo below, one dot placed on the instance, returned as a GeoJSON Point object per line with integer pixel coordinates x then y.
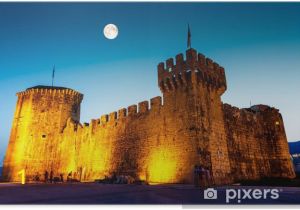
{"type": "Point", "coordinates": [131, 111]}
{"type": "Point", "coordinates": [50, 91]}
{"type": "Point", "coordinates": [195, 69]}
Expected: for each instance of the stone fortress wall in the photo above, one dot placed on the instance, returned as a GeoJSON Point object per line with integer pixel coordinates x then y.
{"type": "Point", "coordinates": [158, 141]}
{"type": "Point", "coordinates": [257, 143]}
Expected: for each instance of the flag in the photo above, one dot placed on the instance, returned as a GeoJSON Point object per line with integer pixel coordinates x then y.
{"type": "Point", "coordinates": [189, 37]}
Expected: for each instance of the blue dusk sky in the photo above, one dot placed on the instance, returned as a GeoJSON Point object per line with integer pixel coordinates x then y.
{"type": "Point", "coordinates": [257, 43]}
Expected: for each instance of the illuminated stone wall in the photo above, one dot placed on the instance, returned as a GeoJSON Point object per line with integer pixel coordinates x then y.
{"type": "Point", "coordinates": [158, 141]}
{"type": "Point", "coordinates": [40, 117]}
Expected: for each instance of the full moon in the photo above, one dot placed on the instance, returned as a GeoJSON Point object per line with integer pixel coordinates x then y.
{"type": "Point", "coordinates": [110, 31]}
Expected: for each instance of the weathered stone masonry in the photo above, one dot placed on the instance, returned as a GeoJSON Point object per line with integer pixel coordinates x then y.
{"type": "Point", "coordinates": [160, 141]}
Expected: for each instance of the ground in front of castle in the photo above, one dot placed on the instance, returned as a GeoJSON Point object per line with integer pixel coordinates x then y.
{"type": "Point", "coordinates": [94, 193]}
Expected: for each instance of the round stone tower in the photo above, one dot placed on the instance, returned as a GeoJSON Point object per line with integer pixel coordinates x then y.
{"type": "Point", "coordinates": [41, 115]}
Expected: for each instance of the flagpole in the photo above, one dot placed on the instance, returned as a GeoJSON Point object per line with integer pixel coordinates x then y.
{"type": "Point", "coordinates": [189, 43]}
{"type": "Point", "coordinates": [53, 72]}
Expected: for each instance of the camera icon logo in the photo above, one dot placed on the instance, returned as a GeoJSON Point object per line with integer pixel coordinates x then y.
{"type": "Point", "coordinates": [210, 193]}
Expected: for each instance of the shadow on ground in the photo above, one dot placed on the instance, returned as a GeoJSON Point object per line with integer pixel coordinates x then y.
{"type": "Point", "coordinates": [94, 193]}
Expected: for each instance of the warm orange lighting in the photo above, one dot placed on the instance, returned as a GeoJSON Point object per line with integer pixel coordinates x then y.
{"type": "Point", "coordinates": [162, 166]}
{"type": "Point", "coordinates": [142, 176]}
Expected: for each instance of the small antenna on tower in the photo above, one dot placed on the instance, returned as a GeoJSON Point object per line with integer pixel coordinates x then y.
{"type": "Point", "coordinates": [53, 74]}
{"type": "Point", "coordinates": [189, 36]}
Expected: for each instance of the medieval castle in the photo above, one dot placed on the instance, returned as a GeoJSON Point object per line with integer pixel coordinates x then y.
{"type": "Point", "coordinates": [160, 141]}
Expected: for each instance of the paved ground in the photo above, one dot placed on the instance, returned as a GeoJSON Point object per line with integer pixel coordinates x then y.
{"type": "Point", "coordinates": [93, 193]}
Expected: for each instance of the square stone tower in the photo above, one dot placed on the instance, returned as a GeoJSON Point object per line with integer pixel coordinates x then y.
{"type": "Point", "coordinates": [192, 87]}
